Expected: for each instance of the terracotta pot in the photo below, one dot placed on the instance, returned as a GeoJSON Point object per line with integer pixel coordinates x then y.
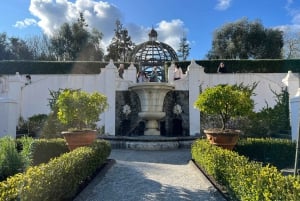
{"type": "Point", "coordinates": [223, 138]}
{"type": "Point", "coordinates": [76, 139]}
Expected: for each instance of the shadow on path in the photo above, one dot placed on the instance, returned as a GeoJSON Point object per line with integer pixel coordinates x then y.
{"type": "Point", "coordinates": [151, 176]}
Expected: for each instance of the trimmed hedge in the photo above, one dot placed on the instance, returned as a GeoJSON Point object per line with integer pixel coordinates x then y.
{"type": "Point", "coordinates": [245, 180]}
{"type": "Point", "coordinates": [42, 150]}
{"type": "Point", "coordinates": [277, 152]}
{"type": "Point", "coordinates": [94, 67]}
{"type": "Point", "coordinates": [53, 67]}
{"type": "Point", "coordinates": [59, 179]}
{"type": "Point", "coordinates": [247, 66]}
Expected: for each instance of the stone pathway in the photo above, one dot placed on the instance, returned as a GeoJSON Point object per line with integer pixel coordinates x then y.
{"type": "Point", "coordinates": [151, 176]}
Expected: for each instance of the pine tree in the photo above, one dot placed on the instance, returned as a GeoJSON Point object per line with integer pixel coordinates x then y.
{"type": "Point", "coordinates": [121, 44]}
{"type": "Point", "coordinates": [75, 42]}
{"type": "Point", "coordinates": [184, 48]}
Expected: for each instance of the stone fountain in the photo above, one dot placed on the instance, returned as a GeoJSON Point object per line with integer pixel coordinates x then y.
{"type": "Point", "coordinates": [151, 95]}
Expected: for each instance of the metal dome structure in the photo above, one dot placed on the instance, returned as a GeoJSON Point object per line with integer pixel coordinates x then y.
{"type": "Point", "coordinates": [153, 53]}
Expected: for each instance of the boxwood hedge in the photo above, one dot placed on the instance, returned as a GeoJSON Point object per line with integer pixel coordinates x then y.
{"type": "Point", "coordinates": [245, 179]}
{"type": "Point", "coordinates": [57, 180]}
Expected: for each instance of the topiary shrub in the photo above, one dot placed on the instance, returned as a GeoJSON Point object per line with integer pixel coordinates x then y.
{"type": "Point", "coordinates": [80, 110]}
{"type": "Point", "coordinates": [226, 101]}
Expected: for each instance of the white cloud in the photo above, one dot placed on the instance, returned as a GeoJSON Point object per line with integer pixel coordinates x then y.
{"type": "Point", "coordinates": [25, 23]}
{"type": "Point", "coordinates": [294, 28]}
{"type": "Point", "coordinates": [293, 12]}
{"type": "Point", "coordinates": [171, 32]}
{"type": "Point", "coordinates": [102, 16]}
{"type": "Point", "coordinates": [295, 18]}
{"type": "Point", "coordinates": [98, 14]}
{"type": "Point", "coordinates": [223, 4]}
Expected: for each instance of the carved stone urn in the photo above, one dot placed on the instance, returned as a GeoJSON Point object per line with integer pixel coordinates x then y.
{"type": "Point", "coordinates": [152, 96]}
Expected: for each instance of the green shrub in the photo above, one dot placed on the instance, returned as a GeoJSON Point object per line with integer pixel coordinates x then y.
{"type": "Point", "coordinates": [270, 121]}
{"type": "Point", "coordinates": [59, 179]}
{"type": "Point", "coordinates": [32, 126]}
{"type": "Point", "coordinates": [79, 109]}
{"type": "Point", "coordinates": [10, 160]}
{"type": "Point", "coordinates": [42, 150]}
{"type": "Point", "coordinates": [232, 101]}
{"type": "Point", "coordinates": [52, 127]}
{"type": "Point", "coordinates": [245, 180]}
{"type": "Point", "coordinates": [277, 152]}
{"type": "Point", "coordinates": [25, 144]}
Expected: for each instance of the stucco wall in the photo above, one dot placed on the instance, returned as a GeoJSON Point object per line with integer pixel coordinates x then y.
{"type": "Point", "coordinates": [266, 84]}
{"type": "Point", "coordinates": [33, 98]}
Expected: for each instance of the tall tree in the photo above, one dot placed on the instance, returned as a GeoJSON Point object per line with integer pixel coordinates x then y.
{"type": "Point", "coordinates": [40, 46]}
{"type": "Point", "coordinates": [75, 42]}
{"type": "Point", "coordinates": [19, 49]}
{"type": "Point", "coordinates": [121, 44]}
{"type": "Point", "coordinates": [4, 47]}
{"type": "Point", "coordinates": [61, 43]}
{"type": "Point", "coordinates": [244, 40]}
{"type": "Point", "coordinates": [184, 48]}
{"type": "Point", "coordinates": [291, 48]}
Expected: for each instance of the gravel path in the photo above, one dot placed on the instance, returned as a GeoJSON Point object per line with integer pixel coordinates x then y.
{"type": "Point", "coordinates": [151, 176]}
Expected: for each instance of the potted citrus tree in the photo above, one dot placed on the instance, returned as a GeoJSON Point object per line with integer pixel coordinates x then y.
{"type": "Point", "coordinates": [227, 102]}
{"type": "Point", "coordinates": [80, 111]}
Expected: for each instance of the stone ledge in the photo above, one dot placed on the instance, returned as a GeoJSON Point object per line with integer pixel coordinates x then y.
{"type": "Point", "coordinates": [151, 143]}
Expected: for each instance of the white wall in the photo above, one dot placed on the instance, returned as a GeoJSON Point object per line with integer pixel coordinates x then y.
{"type": "Point", "coordinates": [33, 98]}
{"type": "Point", "coordinates": [267, 82]}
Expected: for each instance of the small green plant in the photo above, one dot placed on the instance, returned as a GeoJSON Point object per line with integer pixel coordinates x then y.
{"type": "Point", "coordinates": [271, 121]}
{"type": "Point", "coordinates": [226, 101]}
{"type": "Point", "coordinates": [26, 143]}
{"type": "Point", "coordinates": [33, 126]}
{"type": "Point", "coordinates": [10, 160]}
{"type": "Point", "coordinates": [80, 110]}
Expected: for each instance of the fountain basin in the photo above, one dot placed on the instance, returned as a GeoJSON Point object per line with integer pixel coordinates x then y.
{"type": "Point", "coordinates": [150, 143]}
{"type": "Point", "coordinates": [152, 96]}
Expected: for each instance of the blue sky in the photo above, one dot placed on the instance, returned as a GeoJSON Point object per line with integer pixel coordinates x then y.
{"type": "Point", "coordinates": [197, 19]}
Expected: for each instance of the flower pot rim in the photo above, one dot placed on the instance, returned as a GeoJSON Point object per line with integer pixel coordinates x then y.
{"type": "Point", "coordinates": [78, 131]}
{"type": "Point", "coordinates": [222, 132]}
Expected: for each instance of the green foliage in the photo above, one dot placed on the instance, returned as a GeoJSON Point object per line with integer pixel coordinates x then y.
{"type": "Point", "coordinates": [75, 42]}
{"type": "Point", "coordinates": [43, 150]}
{"type": "Point", "coordinates": [12, 48]}
{"type": "Point", "coordinates": [269, 122]}
{"type": "Point", "coordinates": [249, 66]}
{"type": "Point", "coordinates": [244, 40]}
{"type": "Point", "coordinates": [25, 150]}
{"type": "Point", "coordinates": [94, 67]}
{"type": "Point", "coordinates": [277, 152]}
{"type": "Point", "coordinates": [121, 45]}
{"type": "Point", "coordinates": [59, 179]}
{"type": "Point", "coordinates": [184, 48]}
{"type": "Point", "coordinates": [245, 180]}
{"type": "Point", "coordinates": [10, 160]}
{"type": "Point", "coordinates": [227, 101]}
{"type": "Point", "coordinates": [51, 67]}
{"type": "Point", "coordinates": [78, 109]}
{"type": "Point", "coordinates": [33, 126]}
{"type": "Point", "coordinates": [53, 127]}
